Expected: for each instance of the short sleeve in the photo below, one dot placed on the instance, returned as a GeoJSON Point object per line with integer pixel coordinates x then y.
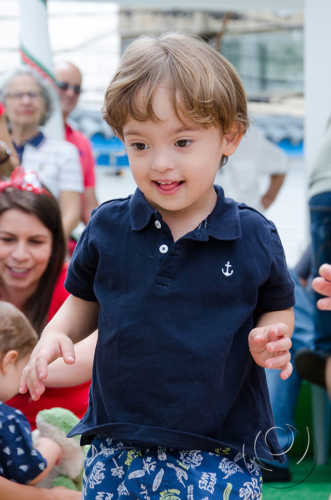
{"type": "Point", "coordinates": [2, 109]}
{"type": "Point", "coordinates": [277, 292]}
{"type": "Point", "coordinates": [82, 268]}
{"type": "Point", "coordinates": [70, 173]}
{"type": "Point", "coordinates": [19, 461]}
{"type": "Point", "coordinates": [57, 164]}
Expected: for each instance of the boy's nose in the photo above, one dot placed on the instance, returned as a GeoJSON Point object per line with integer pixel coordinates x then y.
{"type": "Point", "coordinates": [162, 161]}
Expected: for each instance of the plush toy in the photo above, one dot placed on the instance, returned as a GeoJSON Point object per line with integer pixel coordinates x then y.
{"type": "Point", "coordinates": [55, 424]}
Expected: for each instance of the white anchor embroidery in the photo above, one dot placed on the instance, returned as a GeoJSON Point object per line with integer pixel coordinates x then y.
{"type": "Point", "coordinates": [226, 269]}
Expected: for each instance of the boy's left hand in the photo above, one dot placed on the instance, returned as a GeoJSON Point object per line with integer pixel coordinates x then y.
{"type": "Point", "coordinates": [270, 345]}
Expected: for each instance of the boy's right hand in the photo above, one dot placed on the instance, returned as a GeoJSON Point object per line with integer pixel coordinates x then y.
{"type": "Point", "coordinates": [50, 347]}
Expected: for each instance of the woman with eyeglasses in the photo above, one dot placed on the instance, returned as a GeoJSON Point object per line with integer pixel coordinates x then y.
{"type": "Point", "coordinates": [28, 105]}
{"type": "Point", "coordinates": [32, 275]}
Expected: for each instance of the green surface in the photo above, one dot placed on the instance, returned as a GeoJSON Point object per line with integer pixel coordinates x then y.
{"type": "Point", "coordinates": [308, 483]}
{"type": "Point", "coordinates": [303, 419]}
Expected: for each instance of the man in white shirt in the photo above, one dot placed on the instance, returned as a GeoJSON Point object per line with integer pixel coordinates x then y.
{"type": "Point", "coordinates": [255, 173]}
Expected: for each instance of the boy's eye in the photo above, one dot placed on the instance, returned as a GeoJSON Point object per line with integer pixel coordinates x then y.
{"type": "Point", "coordinates": [6, 239]}
{"type": "Point", "coordinates": [182, 143]}
{"type": "Point", "coordinates": [139, 146]}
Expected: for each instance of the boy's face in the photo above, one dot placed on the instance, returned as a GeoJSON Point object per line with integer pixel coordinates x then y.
{"type": "Point", "coordinates": [175, 164]}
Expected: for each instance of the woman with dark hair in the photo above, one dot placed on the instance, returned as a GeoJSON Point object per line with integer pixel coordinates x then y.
{"type": "Point", "coordinates": [32, 274]}
{"type": "Point", "coordinates": [41, 210]}
{"type": "Point", "coordinates": [27, 104]}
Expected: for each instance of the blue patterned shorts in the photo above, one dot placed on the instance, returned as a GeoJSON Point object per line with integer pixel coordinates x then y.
{"type": "Point", "coordinates": [114, 470]}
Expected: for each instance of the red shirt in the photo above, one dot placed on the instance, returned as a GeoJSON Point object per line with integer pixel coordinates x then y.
{"type": "Point", "coordinates": [2, 109]}
{"type": "Point", "coordinates": [59, 293]}
{"type": "Point", "coordinates": [73, 398]}
{"type": "Point", "coordinates": [85, 153]}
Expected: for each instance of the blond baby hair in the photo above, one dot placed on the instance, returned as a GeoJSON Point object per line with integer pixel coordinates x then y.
{"type": "Point", "coordinates": [206, 88]}
{"type": "Point", "coordinates": [16, 332]}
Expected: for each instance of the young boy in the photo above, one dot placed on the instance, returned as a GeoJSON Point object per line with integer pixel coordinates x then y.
{"type": "Point", "coordinates": [189, 290]}
{"type": "Point", "coordinates": [20, 461]}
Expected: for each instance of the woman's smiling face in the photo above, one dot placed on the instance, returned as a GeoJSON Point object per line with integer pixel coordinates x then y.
{"type": "Point", "coordinates": [25, 250]}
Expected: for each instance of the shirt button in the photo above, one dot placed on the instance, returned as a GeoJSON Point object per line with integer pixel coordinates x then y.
{"type": "Point", "coordinates": [163, 248]}
{"type": "Point", "coordinates": [157, 224]}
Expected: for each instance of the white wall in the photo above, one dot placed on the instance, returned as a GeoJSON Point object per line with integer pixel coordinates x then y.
{"type": "Point", "coordinates": [317, 73]}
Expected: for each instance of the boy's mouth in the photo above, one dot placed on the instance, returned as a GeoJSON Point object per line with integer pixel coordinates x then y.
{"type": "Point", "coordinates": [168, 186]}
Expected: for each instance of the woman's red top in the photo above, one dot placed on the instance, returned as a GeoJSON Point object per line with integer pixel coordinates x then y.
{"type": "Point", "coordinates": [73, 398]}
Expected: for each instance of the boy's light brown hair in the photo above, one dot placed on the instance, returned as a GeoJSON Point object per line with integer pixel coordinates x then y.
{"type": "Point", "coordinates": [16, 332]}
{"type": "Point", "coordinates": [206, 88]}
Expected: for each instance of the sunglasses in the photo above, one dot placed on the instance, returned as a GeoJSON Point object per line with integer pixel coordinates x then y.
{"type": "Point", "coordinates": [65, 86]}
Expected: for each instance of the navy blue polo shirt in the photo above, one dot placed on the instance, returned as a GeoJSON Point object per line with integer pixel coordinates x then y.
{"type": "Point", "coordinates": [172, 365]}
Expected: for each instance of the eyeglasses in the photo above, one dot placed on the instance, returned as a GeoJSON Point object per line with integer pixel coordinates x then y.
{"type": "Point", "coordinates": [20, 95]}
{"type": "Point", "coordinates": [65, 86]}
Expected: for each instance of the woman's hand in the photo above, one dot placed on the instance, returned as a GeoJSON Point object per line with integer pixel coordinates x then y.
{"type": "Point", "coordinates": [51, 346]}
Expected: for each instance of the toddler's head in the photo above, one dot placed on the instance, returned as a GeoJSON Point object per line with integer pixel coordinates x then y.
{"type": "Point", "coordinates": [17, 340]}
{"type": "Point", "coordinates": [205, 87]}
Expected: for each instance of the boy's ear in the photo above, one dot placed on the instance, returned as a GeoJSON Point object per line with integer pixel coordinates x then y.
{"type": "Point", "coordinates": [8, 359]}
{"type": "Point", "coordinates": [232, 138]}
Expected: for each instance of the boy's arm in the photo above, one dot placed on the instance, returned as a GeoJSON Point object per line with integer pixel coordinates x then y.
{"type": "Point", "coordinates": [52, 453]}
{"type": "Point", "coordinates": [60, 372]}
{"type": "Point", "coordinates": [75, 320]}
{"type": "Point", "coordinates": [275, 183]}
{"type": "Point", "coordinates": [270, 341]}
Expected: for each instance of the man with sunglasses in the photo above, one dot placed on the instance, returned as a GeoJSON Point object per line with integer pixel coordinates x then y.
{"type": "Point", "coordinates": [69, 81]}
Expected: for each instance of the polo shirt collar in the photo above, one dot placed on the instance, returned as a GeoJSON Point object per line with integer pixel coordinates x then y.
{"type": "Point", "coordinates": [223, 223]}
{"type": "Point", "coordinates": [140, 211]}
{"type": "Point", "coordinates": [35, 141]}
